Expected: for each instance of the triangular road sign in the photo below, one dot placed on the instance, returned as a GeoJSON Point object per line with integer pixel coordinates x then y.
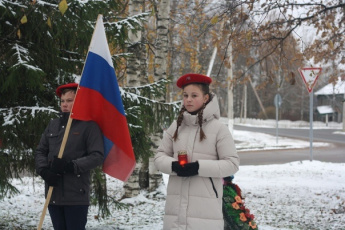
{"type": "Point", "coordinates": [310, 76]}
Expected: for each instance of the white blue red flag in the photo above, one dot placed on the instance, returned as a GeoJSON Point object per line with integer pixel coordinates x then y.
{"type": "Point", "coordinates": [98, 98]}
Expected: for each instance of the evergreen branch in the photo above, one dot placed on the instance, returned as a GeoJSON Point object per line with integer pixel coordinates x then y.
{"type": "Point", "coordinates": [12, 114]}
{"type": "Point", "coordinates": [23, 57]}
{"type": "Point", "coordinates": [147, 101]}
{"type": "Point", "coordinates": [158, 83]}
{"type": "Point", "coordinates": [129, 22]}
{"type": "Point", "coordinates": [153, 90]}
{"type": "Point", "coordinates": [14, 3]}
{"type": "Point", "coordinates": [121, 55]}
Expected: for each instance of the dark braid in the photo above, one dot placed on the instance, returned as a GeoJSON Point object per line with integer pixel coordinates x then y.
{"type": "Point", "coordinates": [200, 120]}
{"type": "Point", "coordinates": [179, 121]}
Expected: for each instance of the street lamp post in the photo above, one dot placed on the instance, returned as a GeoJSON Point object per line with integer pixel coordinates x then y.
{"type": "Point", "coordinates": [344, 108]}
{"type": "Point", "coordinates": [343, 55]}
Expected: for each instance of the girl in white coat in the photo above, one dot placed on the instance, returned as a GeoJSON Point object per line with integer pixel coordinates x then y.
{"type": "Point", "coordinates": [195, 189]}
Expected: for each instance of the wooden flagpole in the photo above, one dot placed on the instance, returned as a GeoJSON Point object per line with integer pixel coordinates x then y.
{"type": "Point", "coordinates": [50, 191]}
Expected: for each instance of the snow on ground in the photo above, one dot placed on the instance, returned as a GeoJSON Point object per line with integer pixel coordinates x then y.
{"type": "Point", "coordinates": [296, 195]}
{"type": "Point", "coordinates": [250, 142]}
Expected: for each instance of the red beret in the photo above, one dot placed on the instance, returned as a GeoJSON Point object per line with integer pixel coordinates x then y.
{"type": "Point", "coordinates": [67, 86]}
{"type": "Point", "coordinates": [193, 78]}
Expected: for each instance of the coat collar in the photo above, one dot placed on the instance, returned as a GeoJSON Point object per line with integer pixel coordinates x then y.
{"type": "Point", "coordinates": [211, 111]}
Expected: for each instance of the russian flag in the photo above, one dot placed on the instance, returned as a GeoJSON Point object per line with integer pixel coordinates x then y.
{"type": "Point", "coordinates": [98, 98]}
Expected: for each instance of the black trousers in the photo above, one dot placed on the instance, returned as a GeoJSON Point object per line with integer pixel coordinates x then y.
{"type": "Point", "coordinates": [71, 217]}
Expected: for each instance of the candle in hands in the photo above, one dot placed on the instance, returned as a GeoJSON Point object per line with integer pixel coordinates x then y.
{"type": "Point", "coordinates": [182, 157]}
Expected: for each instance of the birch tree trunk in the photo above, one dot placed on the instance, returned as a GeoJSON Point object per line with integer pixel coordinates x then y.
{"type": "Point", "coordinates": [245, 103]}
{"type": "Point", "coordinates": [213, 57]}
{"type": "Point", "coordinates": [160, 72]}
{"type": "Point", "coordinates": [135, 76]}
{"type": "Point", "coordinates": [257, 97]}
{"type": "Point", "coordinates": [163, 18]}
{"type": "Point", "coordinates": [230, 91]}
{"type": "Point", "coordinates": [136, 63]}
{"type": "Point", "coordinates": [243, 115]}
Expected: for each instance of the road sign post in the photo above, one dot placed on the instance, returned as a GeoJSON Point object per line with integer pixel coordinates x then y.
{"type": "Point", "coordinates": [310, 76]}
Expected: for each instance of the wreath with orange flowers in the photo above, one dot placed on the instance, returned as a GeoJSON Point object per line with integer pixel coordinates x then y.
{"type": "Point", "coordinates": [236, 215]}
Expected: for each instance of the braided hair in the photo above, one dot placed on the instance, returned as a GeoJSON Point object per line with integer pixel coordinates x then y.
{"type": "Point", "coordinates": [200, 119]}
{"type": "Point", "coordinates": [179, 121]}
{"type": "Point", "coordinates": [205, 89]}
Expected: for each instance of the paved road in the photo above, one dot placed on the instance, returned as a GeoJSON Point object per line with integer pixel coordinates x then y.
{"type": "Point", "coordinates": [323, 135]}
{"type": "Point", "coordinates": [334, 153]}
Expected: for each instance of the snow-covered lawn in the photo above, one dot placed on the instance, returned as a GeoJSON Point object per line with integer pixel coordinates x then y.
{"type": "Point", "coordinates": [296, 195]}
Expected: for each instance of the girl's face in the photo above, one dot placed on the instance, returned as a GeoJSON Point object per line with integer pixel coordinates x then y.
{"type": "Point", "coordinates": [193, 98]}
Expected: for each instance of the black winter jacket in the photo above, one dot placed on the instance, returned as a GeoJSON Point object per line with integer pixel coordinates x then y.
{"type": "Point", "coordinates": [84, 147]}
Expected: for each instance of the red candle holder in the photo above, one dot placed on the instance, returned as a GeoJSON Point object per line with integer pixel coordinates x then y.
{"type": "Point", "coordinates": [182, 157]}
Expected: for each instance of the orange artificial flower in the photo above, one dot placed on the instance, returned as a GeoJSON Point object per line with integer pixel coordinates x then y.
{"type": "Point", "coordinates": [243, 217]}
{"type": "Point", "coordinates": [252, 225]}
{"type": "Point", "coordinates": [238, 199]}
{"type": "Point", "coordinates": [235, 205]}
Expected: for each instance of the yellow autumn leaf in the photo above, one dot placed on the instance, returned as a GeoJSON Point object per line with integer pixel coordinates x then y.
{"type": "Point", "coordinates": [153, 12]}
{"type": "Point", "coordinates": [49, 22]}
{"type": "Point", "coordinates": [330, 43]}
{"type": "Point", "coordinates": [249, 35]}
{"type": "Point", "coordinates": [214, 20]}
{"type": "Point", "coordinates": [24, 19]}
{"type": "Point", "coordinates": [63, 6]}
{"type": "Point", "coordinates": [19, 34]}
{"type": "Point", "coordinates": [151, 78]}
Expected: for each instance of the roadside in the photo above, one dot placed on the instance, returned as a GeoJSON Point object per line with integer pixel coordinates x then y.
{"type": "Point", "coordinates": [259, 145]}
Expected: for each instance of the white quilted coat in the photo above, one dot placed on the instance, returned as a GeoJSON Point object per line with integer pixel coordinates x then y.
{"type": "Point", "coordinates": [196, 202]}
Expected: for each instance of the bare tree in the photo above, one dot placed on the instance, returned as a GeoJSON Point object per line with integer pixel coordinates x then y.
{"type": "Point", "coordinates": [272, 23]}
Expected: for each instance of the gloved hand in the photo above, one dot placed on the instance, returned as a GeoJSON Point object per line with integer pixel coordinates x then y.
{"type": "Point", "coordinates": [61, 166]}
{"type": "Point", "coordinates": [51, 178]}
{"type": "Point", "coordinates": [189, 169]}
{"type": "Point", "coordinates": [175, 166]}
